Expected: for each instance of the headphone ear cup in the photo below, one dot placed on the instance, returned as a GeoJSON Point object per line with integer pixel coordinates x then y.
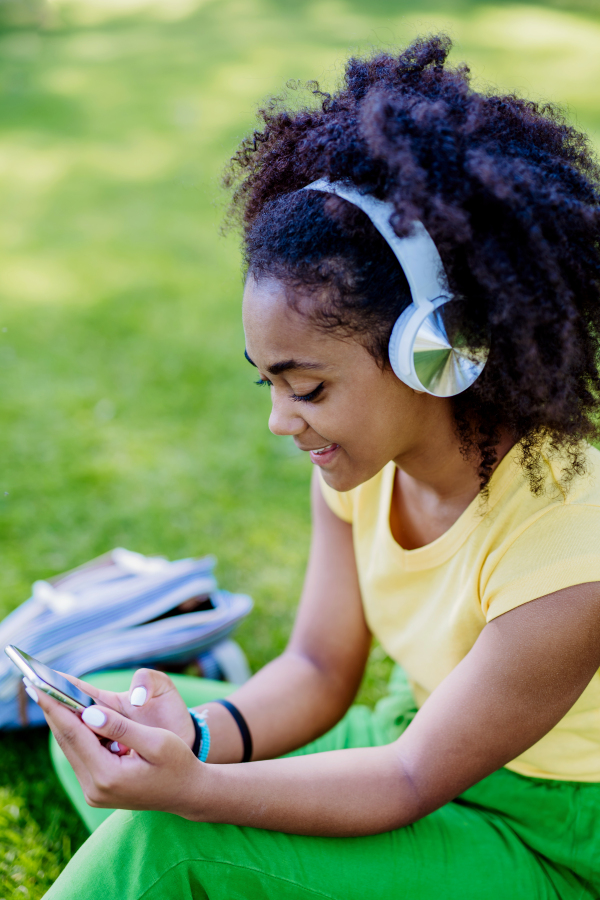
{"type": "Point", "coordinates": [400, 345]}
{"type": "Point", "coordinates": [426, 359]}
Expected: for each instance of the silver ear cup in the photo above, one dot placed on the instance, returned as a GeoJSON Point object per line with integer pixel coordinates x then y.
{"type": "Point", "coordinates": [444, 368]}
{"type": "Point", "coordinates": [424, 357]}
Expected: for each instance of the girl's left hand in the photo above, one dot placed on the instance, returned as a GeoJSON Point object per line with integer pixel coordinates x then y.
{"type": "Point", "coordinates": [159, 773]}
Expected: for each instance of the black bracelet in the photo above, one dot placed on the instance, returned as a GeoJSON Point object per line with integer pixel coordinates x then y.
{"type": "Point", "coordinates": [242, 725]}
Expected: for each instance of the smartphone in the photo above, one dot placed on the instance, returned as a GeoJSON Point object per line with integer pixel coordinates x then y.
{"type": "Point", "coordinates": [46, 679]}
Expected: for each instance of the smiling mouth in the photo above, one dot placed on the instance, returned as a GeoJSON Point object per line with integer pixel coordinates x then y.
{"type": "Point", "coordinates": [324, 450]}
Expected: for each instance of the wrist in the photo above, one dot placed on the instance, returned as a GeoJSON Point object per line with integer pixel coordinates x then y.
{"type": "Point", "coordinates": [226, 745]}
{"type": "Point", "coordinates": [191, 802]}
{"type": "Point", "coordinates": [200, 789]}
{"type": "Point", "coordinates": [190, 732]}
{"type": "Point", "coordinates": [201, 745]}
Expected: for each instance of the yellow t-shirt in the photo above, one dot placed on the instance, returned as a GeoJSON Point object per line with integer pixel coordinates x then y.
{"type": "Point", "coordinates": [428, 606]}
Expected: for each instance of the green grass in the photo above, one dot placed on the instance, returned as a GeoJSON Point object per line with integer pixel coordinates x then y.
{"type": "Point", "coordinates": [128, 414]}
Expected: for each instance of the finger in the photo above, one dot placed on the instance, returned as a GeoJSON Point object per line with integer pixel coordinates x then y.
{"type": "Point", "coordinates": [77, 742]}
{"type": "Point", "coordinates": [88, 689]}
{"type": "Point", "coordinates": [147, 684]}
{"type": "Point", "coordinates": [105, 698]}
{"type": "Point", "coordinates": [148, 742]}
{"type": "Point", "coordinates": [116, 748]}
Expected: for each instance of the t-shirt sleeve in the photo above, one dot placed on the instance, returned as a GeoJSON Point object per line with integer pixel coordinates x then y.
{"type": "Point", "coordinates": [557, 550]}
{"type": "Point", "coordinates": [338, 502]}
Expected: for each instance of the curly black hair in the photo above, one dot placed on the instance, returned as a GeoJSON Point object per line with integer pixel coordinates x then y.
{"type": "Point", "coordinates": [509, 192]}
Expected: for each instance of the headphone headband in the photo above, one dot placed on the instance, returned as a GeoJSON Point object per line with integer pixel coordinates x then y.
{"type": "Point", "coordinates": [416, 253]}
{"type": "Point", "coordinates": [420, 351]}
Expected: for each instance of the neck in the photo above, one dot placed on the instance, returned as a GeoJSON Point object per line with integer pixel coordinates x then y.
{"type": "Point", "coordinates": [436, 466]}
{"type": "Point", "coordinates": [434, 485]}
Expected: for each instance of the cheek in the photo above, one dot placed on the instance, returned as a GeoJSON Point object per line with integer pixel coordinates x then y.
{"type": "Point", "coordinates": [355, 423]}
{"type": "Point", "coordinates": [362, 409]}
{"type": "Point", "coordinates": [375, 428]}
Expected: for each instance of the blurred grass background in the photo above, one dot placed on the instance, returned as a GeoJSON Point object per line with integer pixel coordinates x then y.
{"type": "Point", "coordinates": [128, 415]}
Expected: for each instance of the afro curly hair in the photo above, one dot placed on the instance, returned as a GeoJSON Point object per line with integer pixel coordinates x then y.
{"type": "Point", "coordinates": [510, 194]}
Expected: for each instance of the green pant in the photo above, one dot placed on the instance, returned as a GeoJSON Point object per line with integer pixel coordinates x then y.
{"type": "Point", "coordinates": [507, 838]}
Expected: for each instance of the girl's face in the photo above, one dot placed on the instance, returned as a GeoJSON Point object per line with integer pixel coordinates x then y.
{"type": "Point", "coordinates": [330, 394]}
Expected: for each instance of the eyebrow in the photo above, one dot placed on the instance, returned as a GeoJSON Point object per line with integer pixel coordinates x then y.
{"type": "Point", "coordinates": [278, 368]}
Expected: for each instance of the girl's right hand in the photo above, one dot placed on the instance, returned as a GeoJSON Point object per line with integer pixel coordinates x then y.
{"type": "Point", "coordinates": [152, 700]}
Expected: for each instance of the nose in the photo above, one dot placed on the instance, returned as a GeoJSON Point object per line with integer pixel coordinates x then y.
{"type": "Point", "coordinates": [284, 418]}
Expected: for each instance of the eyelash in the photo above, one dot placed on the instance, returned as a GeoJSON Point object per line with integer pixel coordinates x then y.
{"type": "Point", "coordinates": [306, 398]}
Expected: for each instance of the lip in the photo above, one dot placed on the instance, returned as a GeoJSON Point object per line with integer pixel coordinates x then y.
{"type": "Point", "coordinates": [320, 457]}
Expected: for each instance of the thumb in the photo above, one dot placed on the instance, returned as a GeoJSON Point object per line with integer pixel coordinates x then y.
{"type": "Point", "coordinates": [149, 743]}
{"type": "Point", "coordinates": [146, 684]}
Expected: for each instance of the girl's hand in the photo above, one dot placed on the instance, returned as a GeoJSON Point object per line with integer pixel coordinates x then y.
{"type": "Point", "coordinates": [159, 773]}
{"type": "Point", "coordinates": [152, 700]}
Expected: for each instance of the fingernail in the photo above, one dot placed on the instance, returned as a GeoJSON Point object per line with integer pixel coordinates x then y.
{"type": "Point", "coordinates": [115, 747]}
{"type": "Point", "coordinates": [29, 689]}
{"type": "Point", "coordinates": [138, 696]}
{"type": "Point", "coordinates": [94, 717]}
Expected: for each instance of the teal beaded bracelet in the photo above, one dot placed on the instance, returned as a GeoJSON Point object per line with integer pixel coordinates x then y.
{"type": "Point", "coordinates": [202, 742]}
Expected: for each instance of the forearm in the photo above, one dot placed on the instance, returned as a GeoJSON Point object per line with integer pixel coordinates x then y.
{"type": "Point", "coordinates": [287, 704]}
{"type": "Point", "coordinates": [305, 691]}
{"type": "Point", "coordinates": [342, 793]}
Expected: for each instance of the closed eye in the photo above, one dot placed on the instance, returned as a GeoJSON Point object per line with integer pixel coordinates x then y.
{"type": "Point", "coordinates": [307, 398]}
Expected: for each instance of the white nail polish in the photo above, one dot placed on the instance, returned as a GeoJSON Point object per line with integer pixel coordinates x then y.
{"type": "Point", "coordinates": [138, 696]}
{"type": "Point", "coordinates": [94, 717]}
{"type": "Point", "coordinates": [29, 689]}
{"type": "Point", "coordinates": [115, 747]}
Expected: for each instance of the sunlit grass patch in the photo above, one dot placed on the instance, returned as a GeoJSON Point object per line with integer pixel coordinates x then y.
{"type": "Point", "coordinates": [28, 864]}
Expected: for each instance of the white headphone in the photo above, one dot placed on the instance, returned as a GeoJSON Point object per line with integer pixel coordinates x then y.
{"type": "Point", "coordinates": [421, 354]}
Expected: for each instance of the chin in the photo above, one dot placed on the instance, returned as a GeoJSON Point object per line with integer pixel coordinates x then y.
{"type": "Point", "coordinates": [344, 481]}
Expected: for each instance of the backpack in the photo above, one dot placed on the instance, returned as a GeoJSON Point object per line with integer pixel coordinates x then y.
{"type": "Point", "coordinates": [122, 610]}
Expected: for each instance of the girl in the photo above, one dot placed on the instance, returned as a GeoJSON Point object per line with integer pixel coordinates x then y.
{"type": "Point", "coordinates": [426, 315]}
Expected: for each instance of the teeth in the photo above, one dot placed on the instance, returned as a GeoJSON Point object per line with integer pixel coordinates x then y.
{"type": "Point", "coordinates": [325, 449]}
